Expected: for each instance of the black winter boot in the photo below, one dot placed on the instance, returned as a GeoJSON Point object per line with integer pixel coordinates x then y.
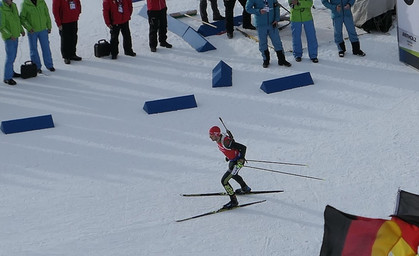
{"type": "Point", "coordinates": [342, 49]}
{"type": "Point", "coordinates": [356, 49]}
{"type": "Point", "coordinates": [266, 61]}
{"type": "Point", "coordinates": [233, 202]}
{"type": "Point", "coordinates": [281, 59]}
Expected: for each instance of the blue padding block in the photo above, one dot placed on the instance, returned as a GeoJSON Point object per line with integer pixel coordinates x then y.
{"type": "Point", "coordinates": [136, 1]}
{"type": "Point", "coordinates": [222, 75]}
{"type": "Point", "coordinates": [238, 20]}
{"type": "Point", "coordinates": [170, 104]}
{"type": "Point", "coordinates": [27, 124]}
{"type": "Point", "coordinates": [176, 26]}
{"type": "Point", "coordinates": [143, 12]}
{"type": "Point", "coordinates": [183, 30]}
{"type": "Point", "coordinates": [206, 30]}
{"type": "Point", "coordinates": [197, 41]}
{"type": "Point", "coordinates": [286, 83]}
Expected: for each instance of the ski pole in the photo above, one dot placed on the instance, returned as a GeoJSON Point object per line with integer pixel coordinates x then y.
{"type": "Point", "coordinates": [274, 162]}
{"type": "Point", "coordinates": [227, 130]}
{"type": "Point", "coordinates": [284, 8]}
{"type": "Point", "coordinates": [287, 173]}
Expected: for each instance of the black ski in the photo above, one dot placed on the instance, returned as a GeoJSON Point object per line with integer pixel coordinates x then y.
{"type": "Point", "coordinates": [225, 193]}
{"type": "Point", "coordinates": [220, 210]}
{"type": "Point", "coordinates": [254, 38]}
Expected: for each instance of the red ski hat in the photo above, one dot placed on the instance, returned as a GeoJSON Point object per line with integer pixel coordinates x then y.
{"type": "Point", "coordinates": [215, 130]}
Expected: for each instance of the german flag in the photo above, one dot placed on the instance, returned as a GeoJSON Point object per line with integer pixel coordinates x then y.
{"type": "Point", "coordinates": [407, 207]}
{"type": "Point", "coordinates": [350, 235]}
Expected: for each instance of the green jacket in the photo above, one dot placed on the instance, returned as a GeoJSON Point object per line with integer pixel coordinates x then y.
{"type": "Point", "coordinates": [9, 21]}
{"type": "Point", "coordinates": [35, 17]}
{"type": "Point", "coordinates": [302, 11]}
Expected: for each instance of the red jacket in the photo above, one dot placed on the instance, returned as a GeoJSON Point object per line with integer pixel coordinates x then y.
{"type": "Point", "coordinates": [156, 5]}
{"type": "Point", "coordinates": [229, 150]}
{"type": "Point", "coordinates": [111, 12]}
{"type": "Point", "coordinates": [66, 11]}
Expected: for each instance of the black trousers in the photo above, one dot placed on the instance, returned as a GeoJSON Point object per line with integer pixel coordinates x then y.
{"type": "Point", "coordinates": [228, 175]}
{"type": "Point", "coordinates": [68, 35]}
{"type": "Point", "coordinates": [158, 25]}
{"type": "Point", "coordinates": [126, 35]}
{"type": "Point", "coordinates": [203, 9]}
{"type": "Point", "coordinates": [229, 8]}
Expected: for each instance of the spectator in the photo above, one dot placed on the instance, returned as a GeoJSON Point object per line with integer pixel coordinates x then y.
{"type": "Point", "coordinates": [66, 14]}
{"type": "Point", "coordinates": [10, 29]}
{"type": "Point", "coordinates": [267, 18]}
{"type": "Point", "coordinates": [229, 10]}
{"type": "Point", "coordinates": [301, 16]}
{"type": "Point", "coordinates": [117, 14]}
{"type": "Point", "coordinates": [342, 14]}
{"type": "Point", "coordinates": [34, 16]}
{"type": "Point", "coordinates": [157, 11]}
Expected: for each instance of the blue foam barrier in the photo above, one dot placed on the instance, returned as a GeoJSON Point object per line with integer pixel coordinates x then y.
{"type": "Point", "coordinates": [187, 33]}
{"type": "Point", "coordinates": [27, 124]}
{"type": "Point", "coordinates": [286, 83]}
{"type": "Point", "coordinates": [222, 75]}
{"type": "Point", "coordinates": [197, 41]}
{"type": "Point", "coordinates": [176, 26]}
{"type": "Point", "coordinates": [170, 104]}
{"type": "Point", "coordinates": [136, 1]}
{"type": "Point", "coordinates": [206, 30]}
{"type": "Point", "coordinates": [143, 12]}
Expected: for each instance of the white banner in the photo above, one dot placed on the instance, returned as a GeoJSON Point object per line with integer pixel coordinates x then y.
{"type": "Point", "coordinates": [408, 21]}
{"type": "Point", "coordinates": [408, 31]}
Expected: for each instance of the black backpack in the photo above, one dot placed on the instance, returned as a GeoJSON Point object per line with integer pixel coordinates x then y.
{"type": "Point", "coordinates": [381, 23]}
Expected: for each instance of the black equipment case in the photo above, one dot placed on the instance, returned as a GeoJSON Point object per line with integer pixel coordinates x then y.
{"type": "Point", "coordinates": [28, 70]}
{"type": "Point", "coordinates": [102, 48]}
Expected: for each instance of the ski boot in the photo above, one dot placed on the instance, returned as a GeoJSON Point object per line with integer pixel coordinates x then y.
{"type": "Point", "coordinates": [244, 190]}
{"type": "Point", "coordinates": [233, 203]}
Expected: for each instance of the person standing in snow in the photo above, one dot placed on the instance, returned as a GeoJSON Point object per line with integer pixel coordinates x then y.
{"type": "Point", "coordinates": [301, 16]}
{"type": "Point", "coordinates": [157, 20]}
{"type": "Point", "coordinates": [229, 13]}
{"type": "Point", "coordinates": [267, 17]}
{"type": "Point", "coordinates": [235, 154]}
{"type": "Point", "coordinates": [34, 16]}
{"type": "Point", "coordinates": [342, 14]}
{"type": "Point", "coordinates": [66, 14]}
{"type": "Point", "coordinates": [215, 12]}
{"type": "Point", "coordinates": [10, 29]}
{"type": "Point", "coordinates": [117, 14]}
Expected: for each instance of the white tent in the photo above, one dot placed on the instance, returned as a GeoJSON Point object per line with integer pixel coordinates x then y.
{"type": "Point", "coordinates": [365, 10]}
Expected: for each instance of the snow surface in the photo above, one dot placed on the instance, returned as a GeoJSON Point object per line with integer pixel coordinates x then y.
{"type": "Point", "coordinates": [107, 179]}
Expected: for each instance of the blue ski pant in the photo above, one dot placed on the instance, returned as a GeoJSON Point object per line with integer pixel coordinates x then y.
{"type": "Point", "coordinates": [33, 38]}
{"type": "Point", "coordinates": [273, 33]}
{"type": "Point", "coordinates": [310, 31]}
{"type": "Point", "coordinates": [11, 51]}
{"type": "Point", "coordinates": [338, 23]}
